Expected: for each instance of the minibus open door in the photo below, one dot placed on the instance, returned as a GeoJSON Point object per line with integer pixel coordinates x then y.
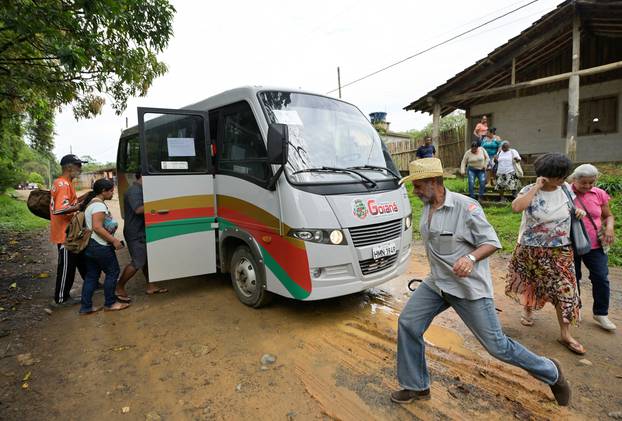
{"type": "Point", "coordinates": [178, 192]}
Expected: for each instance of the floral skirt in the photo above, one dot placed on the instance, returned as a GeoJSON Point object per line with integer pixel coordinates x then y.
{"type": "Point", "coordinates": [508, 182]}
{"type": "Point", "coordinates": [538, 275]}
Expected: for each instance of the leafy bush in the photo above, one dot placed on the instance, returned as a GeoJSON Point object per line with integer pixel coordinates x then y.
{"type": "Point", "coordinates": [37, 178]}
{"type": "Point", "coordinates": [612, 184]}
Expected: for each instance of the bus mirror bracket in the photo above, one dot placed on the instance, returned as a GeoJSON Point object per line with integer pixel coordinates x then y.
{"type": "Point", "coordinates": [278, 149]}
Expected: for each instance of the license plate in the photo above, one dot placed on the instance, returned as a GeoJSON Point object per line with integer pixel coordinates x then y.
{"type": "Point", "coordinates": [384, 250]}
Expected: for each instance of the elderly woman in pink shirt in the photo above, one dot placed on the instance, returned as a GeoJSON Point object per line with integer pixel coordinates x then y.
{"type": "Point", "coordinates": [599, 225]}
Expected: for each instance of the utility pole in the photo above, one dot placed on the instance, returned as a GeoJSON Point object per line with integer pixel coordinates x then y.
{"type": "Point", "coordinates": [126, 122]}
{"type": "Point", "coordinates": [70, 150]}
{"type": "Point", "coordinates": [49, 175]}
{"type": "Point", "coordinates": [339, 80]}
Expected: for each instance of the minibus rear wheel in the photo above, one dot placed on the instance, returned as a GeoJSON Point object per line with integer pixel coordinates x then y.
{"type": "Point", "coordinates": [247, 279]}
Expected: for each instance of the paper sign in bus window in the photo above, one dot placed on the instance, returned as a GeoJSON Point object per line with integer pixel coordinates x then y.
{"type": "Point", "coordinates": [180, 146]}
{"type": "Point", "coordinates": [289, 117]}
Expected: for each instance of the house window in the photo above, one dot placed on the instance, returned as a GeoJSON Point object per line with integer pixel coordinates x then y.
{"type": "Point", "coordinates": [596, 116]}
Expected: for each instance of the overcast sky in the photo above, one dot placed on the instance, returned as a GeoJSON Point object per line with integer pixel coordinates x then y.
{"type": "Point", "coordinates": [217, 46]}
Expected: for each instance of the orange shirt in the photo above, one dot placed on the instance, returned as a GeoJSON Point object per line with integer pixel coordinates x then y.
{"type": "Point", "coordinates": [63, 195]}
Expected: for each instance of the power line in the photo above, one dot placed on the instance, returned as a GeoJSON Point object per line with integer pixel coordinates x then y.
{"type": "Point", "coordinates": [433, 46]}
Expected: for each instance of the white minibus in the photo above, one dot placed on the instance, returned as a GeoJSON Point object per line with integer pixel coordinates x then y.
{"type": "Point", "coordinates": [290, 192]}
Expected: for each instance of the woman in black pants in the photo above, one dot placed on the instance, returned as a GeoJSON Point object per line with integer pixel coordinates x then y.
{"type": "Point", "coordinates": [599, 224]}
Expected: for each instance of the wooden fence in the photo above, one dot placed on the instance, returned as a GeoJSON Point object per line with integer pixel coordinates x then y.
{"type": "Point", "coordinates": [450, 149]}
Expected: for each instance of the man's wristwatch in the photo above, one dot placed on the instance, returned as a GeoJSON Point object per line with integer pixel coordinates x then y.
{"type": "Point", "coordinates": [471, 258]}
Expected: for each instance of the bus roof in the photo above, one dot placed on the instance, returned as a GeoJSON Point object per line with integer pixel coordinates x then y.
{"type": "Point", "coordinates": [229, 97]}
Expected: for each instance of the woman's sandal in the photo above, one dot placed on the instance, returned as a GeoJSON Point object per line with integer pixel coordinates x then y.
{"type": "Point", "coordinates": [575, 347]}
{"type": "Point", "coordinates": [157, 291]}
{"type": "Point", "coordinates": [91, 311]}
{"type": "Point", "coordinates": [123, 299]}
{"type": "Point", "coordinates": [526, 319]}
{"type": "Point", "coordinates": [122, 306]}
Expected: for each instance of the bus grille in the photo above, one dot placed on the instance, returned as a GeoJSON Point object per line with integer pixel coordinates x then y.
{"type": "Point", "coordinates": [377, 233]}
{"type": "Point", "coordinates": [372, 266]}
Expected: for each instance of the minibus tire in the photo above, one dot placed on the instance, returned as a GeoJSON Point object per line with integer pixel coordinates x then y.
{"type": "Point", "coordinates": [247, 279]}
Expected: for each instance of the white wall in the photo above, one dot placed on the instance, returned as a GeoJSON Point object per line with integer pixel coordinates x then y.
{"type": "Point", "coordinates": [534, 124]}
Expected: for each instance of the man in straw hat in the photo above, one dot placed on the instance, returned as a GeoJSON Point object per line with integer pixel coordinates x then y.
{"type": "Point", "coordinates": [458, 240]}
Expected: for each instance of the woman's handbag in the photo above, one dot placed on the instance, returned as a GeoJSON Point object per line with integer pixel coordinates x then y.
{"type": "Point", "coordinates": [518, 169]}
{"type": "Point", "coordinates": [600, 232]}
{"type": "Point", "coordinates": [578, 235]}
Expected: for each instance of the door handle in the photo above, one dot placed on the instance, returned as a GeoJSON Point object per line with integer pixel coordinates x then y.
{"type": "Point", "coordinates": [159, 211]}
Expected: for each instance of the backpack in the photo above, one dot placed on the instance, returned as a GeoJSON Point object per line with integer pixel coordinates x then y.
{"type": "Point", "coordinates": [39, 203]}
{"type": "Point", "coordinates": [78, 235]}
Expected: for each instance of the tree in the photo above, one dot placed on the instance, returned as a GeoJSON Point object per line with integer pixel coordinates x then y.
{"type": "Point", "coordinates": [34, 177]}
{"type": "Point", "coordinates": [451, 121]}
{"type": "Point", "coordinates": [78, 52]}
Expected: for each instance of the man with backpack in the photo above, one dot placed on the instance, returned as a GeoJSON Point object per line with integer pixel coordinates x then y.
{"type": "Point", "coordinates": [63, 204]}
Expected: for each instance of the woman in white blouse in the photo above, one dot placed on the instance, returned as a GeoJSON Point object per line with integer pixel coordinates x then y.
{"type": "Point", "coordinates": [507, 179]}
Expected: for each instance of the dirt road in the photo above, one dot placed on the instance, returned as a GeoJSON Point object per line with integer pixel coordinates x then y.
{"type": "Point", "coordinates": [195, 353]}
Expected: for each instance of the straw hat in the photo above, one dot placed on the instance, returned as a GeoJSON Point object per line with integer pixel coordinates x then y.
{"type": "Point", "coordinates": [423, 168]}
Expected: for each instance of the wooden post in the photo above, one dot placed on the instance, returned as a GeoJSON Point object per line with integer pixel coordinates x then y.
{"type": "Point", "coordinates": [573, 91]}
{"type": "Point", "coordinates": [467, 129]}
{"type": "Point", "coordinates": [513, 78]}
{"type": "Point", "coordinates": [436, 124]}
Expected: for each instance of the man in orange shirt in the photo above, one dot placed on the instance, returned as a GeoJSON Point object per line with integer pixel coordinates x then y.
{"type": "Point", "coordinates": [62, 206]}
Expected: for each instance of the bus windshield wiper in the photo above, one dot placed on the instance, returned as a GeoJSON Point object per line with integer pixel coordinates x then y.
{"type": "Point", "coordinates": [374, 167]}
{"type": "Point", "coordinates": [334, 169]}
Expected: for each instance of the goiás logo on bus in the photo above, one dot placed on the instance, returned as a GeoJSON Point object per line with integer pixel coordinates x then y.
{"type": "Point", "coordinates": [362, 209]}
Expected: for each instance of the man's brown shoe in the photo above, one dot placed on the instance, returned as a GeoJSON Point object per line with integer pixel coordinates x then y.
{"type": "Point", "coordinates": [407, 396]}
{"type": "Point", "coordinates": [561, 389]}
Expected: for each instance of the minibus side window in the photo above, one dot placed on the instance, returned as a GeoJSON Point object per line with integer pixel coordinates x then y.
{"type": "Point", "coordinates": [242, 151]}
{"type": "Point", "coordinates": [130, 155]}
{"type": "Point", "coordinates": [176, 144]}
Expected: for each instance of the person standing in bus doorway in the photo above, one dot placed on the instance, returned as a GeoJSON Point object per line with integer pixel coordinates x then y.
{"type": "Point", "coordinates": [64, 202]}
{"type": "Point", "coordinates": [134, 234]}
{"type": "Point", "coordinates": [458, 240]}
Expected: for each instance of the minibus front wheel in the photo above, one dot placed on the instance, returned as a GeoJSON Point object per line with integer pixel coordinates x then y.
{"type": "Point", "coordinates": [247, 279]}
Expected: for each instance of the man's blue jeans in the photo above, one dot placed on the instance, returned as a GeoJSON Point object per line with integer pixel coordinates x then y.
{"type": "Point", "coordinates": [99, 259]}
{"type": "Point", "coordinates": [597, 263]}
{"type": "Point", "coordinates": [481, 176]}
{"type": "Point", "coordinates": [480, 318]}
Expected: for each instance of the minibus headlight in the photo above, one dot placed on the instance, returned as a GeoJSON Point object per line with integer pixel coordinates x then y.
{"type": "Point", "coordinates": [408, 222]}
{"type": "Point", "coordinates": [319, 236]}
{"type": "Point", "coordinates": [336, 237]}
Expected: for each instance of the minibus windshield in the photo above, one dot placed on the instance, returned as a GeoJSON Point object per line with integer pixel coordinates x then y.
{"type": "Point", "coordinates": [330, 140]}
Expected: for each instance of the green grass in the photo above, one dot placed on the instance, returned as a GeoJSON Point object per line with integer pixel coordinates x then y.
{"type": "Point", "coordinates": [615, 253]}
{"type": "Point", "coordinates": [506, 223]}
{"type": "Point", "coordinates": [15, 216]}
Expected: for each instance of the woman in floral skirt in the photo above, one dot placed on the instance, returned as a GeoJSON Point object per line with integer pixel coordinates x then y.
{"type": "Point", "coordinates": [542, 266]}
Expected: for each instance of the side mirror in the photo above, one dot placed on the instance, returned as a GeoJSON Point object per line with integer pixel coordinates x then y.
{"type": "Point", "coordinates": [278, 144]}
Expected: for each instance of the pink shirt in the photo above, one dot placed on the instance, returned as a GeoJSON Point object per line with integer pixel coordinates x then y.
{"type": "Point", "coordinates": [481, 129]}
{"type": "Point", "coordinates": [593, 200]}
